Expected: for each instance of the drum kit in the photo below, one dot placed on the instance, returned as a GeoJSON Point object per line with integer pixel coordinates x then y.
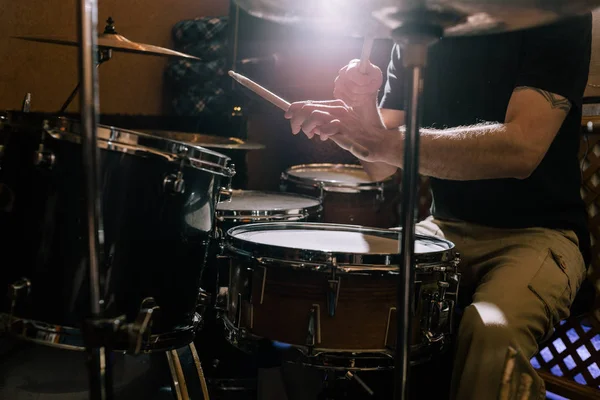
{"type": "Point", "coordinates": [125, 241]}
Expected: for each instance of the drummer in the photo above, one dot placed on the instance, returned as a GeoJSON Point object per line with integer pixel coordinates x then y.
{"type": "Point", "coordinates": [505, 112]}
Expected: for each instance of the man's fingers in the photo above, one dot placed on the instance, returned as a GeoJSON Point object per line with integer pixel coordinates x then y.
{"type": "Point", "coordinates": [314, 120]}
{"type": "Point", "coordinates": [293, 109]}
{"type": "Point", "coordinates": [298, 106]}
{"type": "Point", "coordinates": [331, 128]}
{"type": "Point", "coordinates": [299, 112]}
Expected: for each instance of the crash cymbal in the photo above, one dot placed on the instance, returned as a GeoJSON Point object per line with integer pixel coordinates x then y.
{"type": "Point", "coordinates": [110, 39]}
{"type": "Point", "coordinates": [204, 140]}
{"type": "Point", "coordinates": [378, 18]}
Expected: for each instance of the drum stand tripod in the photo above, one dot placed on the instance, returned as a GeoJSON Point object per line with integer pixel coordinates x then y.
{"type": "Point", "coordinates": [178, 377]}
{"type": "Point", "coordinates": [335, 386]}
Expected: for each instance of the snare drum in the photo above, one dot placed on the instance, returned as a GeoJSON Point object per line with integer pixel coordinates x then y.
{"type": "Point", "coordinates": [329, 291]}
{"type": "Point", "coordinates": [348, 195]}
{"type": "Point", "coordinates": [158, 200]}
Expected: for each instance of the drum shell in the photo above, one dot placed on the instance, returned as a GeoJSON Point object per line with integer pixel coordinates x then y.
{"type": "Point", "coordinates": [278, 306]}
{"type": "Point", "coordinates": [155, 242]}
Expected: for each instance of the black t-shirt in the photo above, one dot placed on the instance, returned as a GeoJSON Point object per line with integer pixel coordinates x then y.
{"type": "Point", "coordinates": [470, 80]}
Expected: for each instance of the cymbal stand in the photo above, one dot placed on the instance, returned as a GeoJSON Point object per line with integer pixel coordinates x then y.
{"type": "Point", "coordinates": [415, 39]}
{"type": "Point", "coordinates": [104, 54]}
{"type": "Point", "coordinates": [96, 330]}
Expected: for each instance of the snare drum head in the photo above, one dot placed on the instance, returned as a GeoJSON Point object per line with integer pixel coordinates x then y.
{"type": "Point", "coordinates": [251, 200]}
{"type": "Point", "coordinates": [331, 173]}
{"type": "Point", "coordinates": [318, 242]}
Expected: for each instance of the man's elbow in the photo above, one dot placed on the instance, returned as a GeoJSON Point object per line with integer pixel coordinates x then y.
{"type": "Point", "coordinates": [528, 161]}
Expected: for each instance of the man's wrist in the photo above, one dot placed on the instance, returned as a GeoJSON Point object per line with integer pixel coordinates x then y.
{"type": "Point", "coordinates": [390, 145]}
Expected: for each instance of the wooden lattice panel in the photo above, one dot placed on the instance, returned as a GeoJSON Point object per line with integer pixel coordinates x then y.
{"type": "Point", "coordinates": [590, 190]}
{"type": "Point", "coordinates": [573, 353]}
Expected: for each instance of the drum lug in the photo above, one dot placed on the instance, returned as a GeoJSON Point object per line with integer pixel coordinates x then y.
{"type": "Point", "coordinates": [225, 194]}
{"type": "Point", "coordinates": [17, 292]}
{"type": "Point", "coordinates": [333, 293]}
{"type": "Point", "coordinates": [380, 197]}
{"type": "Point", "coordinates": [440, 313]}
{"type": "Point", "coordinates": [282, 183]}
{"type": "Point", "coordinates": [174, 183]}
{"type": "Point", "coordinates": [390, 328]}
{"type": "Point", "coordinates": [314, 326]}
{"type": "Point", "coordinates": [44, 158]}
{"type": "Point", "coordinates": [263, 282]}
{"type": "Point", "coordinates": [204, 302]}
{"type": "Point", "coordinates": [140, 328]}
{"type": "Point", "coordinates": [222, 281]}
{"type": "Point", "coordinates": [238, 312]}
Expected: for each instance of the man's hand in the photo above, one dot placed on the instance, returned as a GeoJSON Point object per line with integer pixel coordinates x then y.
{"type": "Point", "coordinates": [355, 88]}
{"type": "Point", "coordinates": [336, 121]}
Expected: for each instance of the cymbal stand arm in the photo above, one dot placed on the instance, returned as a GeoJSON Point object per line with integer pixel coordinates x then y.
{"type": "Point", "coordinates": [103, 56]}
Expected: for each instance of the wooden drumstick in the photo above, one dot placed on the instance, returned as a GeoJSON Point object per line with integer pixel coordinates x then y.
{"type": "Point", "coordinates": [365, 54]}
{"type": "Point", "coordinates": [261, 91]}
{"type": "Point", "coordinates": [284, 105]}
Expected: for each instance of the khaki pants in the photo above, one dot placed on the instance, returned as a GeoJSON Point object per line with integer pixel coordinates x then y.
{"type": "Point", "coordinates": [519, 283]}
{"type": "Point", "coordinates": [516, 285]}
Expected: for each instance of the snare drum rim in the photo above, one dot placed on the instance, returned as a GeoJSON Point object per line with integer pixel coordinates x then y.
{"type": "Point", "coordinates": [289, 176]}
{"type": "Point", "coordinates": [275, 214]}
{"type": "Point", "coordinates": [324, 260]}
{"type": "Point", "coordinates": [125, 141]}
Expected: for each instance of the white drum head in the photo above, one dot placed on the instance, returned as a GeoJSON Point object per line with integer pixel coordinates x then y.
{"type": "Point", "coordinates": [250, 200]}
{"type": "Point", "coordinates": [336, 241]}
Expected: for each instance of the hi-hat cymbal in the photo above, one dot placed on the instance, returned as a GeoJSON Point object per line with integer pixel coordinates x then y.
{"type": "Point", "coordinates": [115, 42]}
{"type": "Point", "coordinates": [378, 18]}
{"type": "Point", "coordinates": [204, 140]}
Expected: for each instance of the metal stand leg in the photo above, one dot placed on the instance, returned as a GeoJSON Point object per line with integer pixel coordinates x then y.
{"type": "Point", "coordinates": [203, 384]}
{"type": "Point", "coordinates": [179, 384]}
{"type": "Point", "coordinates": [99, 367]}
{"type": "Point", "coordinates": [415, 41]}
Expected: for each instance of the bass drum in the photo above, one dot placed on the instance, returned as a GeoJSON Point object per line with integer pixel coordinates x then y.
{"type": "Point", "coordinates": [230, 372]}
{"type": "Point", "coordinates": [158, 201]}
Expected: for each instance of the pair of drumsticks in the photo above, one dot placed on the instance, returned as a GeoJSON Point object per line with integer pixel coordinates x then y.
{"type": "Point", "coordinates": [285, 105]}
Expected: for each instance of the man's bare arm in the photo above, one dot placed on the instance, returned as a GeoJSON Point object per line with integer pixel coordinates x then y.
{"type": "Point", "coordinates": [512, 149]}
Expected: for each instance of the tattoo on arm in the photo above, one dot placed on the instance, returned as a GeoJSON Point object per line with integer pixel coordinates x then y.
{"type": "Point", "coordinates": [555, 101]}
